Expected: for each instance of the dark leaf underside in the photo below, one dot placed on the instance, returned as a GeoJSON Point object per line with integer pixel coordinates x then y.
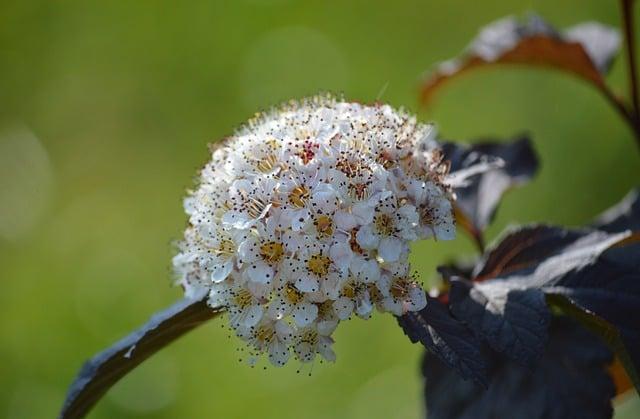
{"type": "Point", "coordinates": [103, 370]}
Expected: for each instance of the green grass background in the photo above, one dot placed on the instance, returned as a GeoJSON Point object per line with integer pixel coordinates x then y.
{"type": "Point", "coordinates": [106, 108]}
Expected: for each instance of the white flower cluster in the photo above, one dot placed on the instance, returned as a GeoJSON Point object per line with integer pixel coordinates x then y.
{"type": "Point", "coordinates": [304, 218]}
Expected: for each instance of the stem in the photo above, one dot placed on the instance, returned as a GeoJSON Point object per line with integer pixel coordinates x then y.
{"type": "Point", "coordinates": [629, 35]}
{"type": "Point", "coordinates": [627, 114]}
{"type": "Point", "coordinates": [107, 367]}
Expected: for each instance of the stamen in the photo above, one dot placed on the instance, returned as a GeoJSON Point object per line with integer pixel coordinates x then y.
{"type": "Point", "coordinates": [319, 264]}
{"type": "Point", "coordinates": [272, 252]}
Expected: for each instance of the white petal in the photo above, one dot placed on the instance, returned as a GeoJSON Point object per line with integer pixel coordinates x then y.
{"type": "Point", "coordinates": [445, 231]}
{"type": "Point", "coordinates": [341, 255]}
{"type": "Point", "coordinates": [324, 349]}
{"type": "Point", "coordinates": [344, 220]}
{"type": "Point", "coordinates": [417, 299]}
{"type": "Point", "coordinates": [384, 284]}
{"type": "Point", "coordinates": [304, 314]}
{"type": "Point", "coordinates": [367, 271]}
{"type": "Point", "coordinates": [344, 307]}
{"type": "Point", "coordinates": [389, 249]}
{"type": "Point", "coordinates": [364, 307]}
{"type": "Point", "coordinates": [284, 332]}
{"type": "Point", "coordinates": [260, 272]}
{"type": "Point", "coordinates": [237, 219]}
{"type": "Point", "coordinates": [258, 289]}
{"type": "Point", "coordinates": [304, 352]}
{"type": "Point", "coordinates": [331, 286]}
{"type": "Point", "coordinates": [279, 308]}
{"type": "Point", "coordinates": [363, 212]}
{"type": "Point", "coordinates": [278, 353]}
{"type": "Point", "coordinates": [252, 315]}
{"type": "Point", "coordinates": [326, 327]}
{"type": "Point", "coordinates": [393, 306]}
{"type": "Point", "coordinates": [291, 241]}
{"type": "Point", "coordinates": [324, 198]}
{"type": "Point", "coordinates": [247, 250]}
{"type": "Point", "coordinates": [306, 283]}
{"type": "Point", "coordinates": [220, 272]}
{"type": "Point", "coordinates": [444, 226]}
{"type": "Point", "coordinates": [217, 297]}
{"type": "Point", "coordinates": [366, 238]}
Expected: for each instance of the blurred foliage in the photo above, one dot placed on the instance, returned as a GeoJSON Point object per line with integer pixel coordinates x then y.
{"type": "Point", "coordinates": [105, 112]}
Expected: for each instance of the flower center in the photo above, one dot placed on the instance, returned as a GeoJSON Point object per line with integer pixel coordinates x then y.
{"type": "Point", "coordinates": [307, 151]}
{"type": "Point", "coordinates": [325, 309]}
{"type": "Point", "coordinates": [293, 295]}
{"type": "Point", "coordinates": [374, 293]}
{"type": "Point", "coordinates": [264, 335]}
{"type": "Point", "coordinates": [400, 288]}
{"type": "Point", "coordinates": [359, 191]}
{"type": "Point", "coordinates": [271, 252]}
{"type": "Point", "coordinates": [255, 207]}
{"type": "Point", "coordinates": [426, 214]}
{"type": "Point", "coordinates": [384, 224]}
{"type": "Point", "coordinates": [324, 226]}
{"type": "Point", "coordinates": [349, 168]}
{"type": "Point", "coordinates": [349, 290]}
{"type": "Point", "coordinates": [267, 163]}
{"type": "Point", "coordinates": [309, 336]}
{"type": "Point", "coordinates": [298, 196]}
{"type": "Point", "coordinates": [385, 160]}
{"type": "Point", "coordinates": [319, 264]}
{"type": "Point", "coordinates": [353, 242]}
{"type": "Point", "coordinates": [226, 248]}
{"type": "Point", "coordinates": [242, 298]}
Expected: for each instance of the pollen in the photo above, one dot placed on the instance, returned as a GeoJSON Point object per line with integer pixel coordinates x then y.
{"type": "Point", "coordinates": [242, 298]}
{"type": "Point", "coordinates": [319, 264]}
{"type": "Point", "coordinates": [349, 290]}
{"type": "Point", "coordinates": [400, 287]}
{"type": "Point", "coordinates": [264, 335]}
{"type": "Point", "coordinates": [359, 191]}
{"type": "Point", "coordinates": [299, 196]}
{"type": "Point", "coordinates": [384, 224]}
{"type": "Point", "coordinates": [324, 226]}
{"type": "Point", "coordinates": [226, 248]}
{"type": "Point", "coordinates": [272, 252]}
{"type": "Point", "coordinates": [293, 295]}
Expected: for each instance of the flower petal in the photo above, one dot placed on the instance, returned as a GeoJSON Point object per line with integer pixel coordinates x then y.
{"type": "Point", "coordinates": [304, 314]}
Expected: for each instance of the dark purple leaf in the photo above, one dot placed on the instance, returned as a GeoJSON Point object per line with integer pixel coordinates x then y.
{"type": "Point", "coordinates": [512, 321]}
{"type": "Point", "coordinates": [102, 371]}
{"type": "Point", "coordinates": [595, 271]}
{"type": "Point", "coordinates": [621, 217]}
{"type": "Point", "coordinates": [479, 198]}
{"type": "Point", "coordinates": [447, 338]}
{"type": "Point", "coordinates": [522, 247]}
{"type": "Point", "coordinates": [569, 381]}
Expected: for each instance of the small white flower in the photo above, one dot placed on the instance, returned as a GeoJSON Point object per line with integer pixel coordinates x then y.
{"type": "Point", "coordinates": [402, 294]}
{"type": "Point", "coordinates": [303, 219]}
{"type": "Point", "coordinates": [311, 341]}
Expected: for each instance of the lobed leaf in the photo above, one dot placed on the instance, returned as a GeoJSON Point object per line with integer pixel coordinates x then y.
{"type": "Point", "coordinates": [592, 274]}
{"type": "Point", "coordinates": [447, 338]}
{"type": "Point", "coordinates": [478, 198]}
{"type": "Point", "coordinates": [585, 50]}
{"type": "Point", "coordinates": [623, 216]}
{"type": "Point", "coordinates": [512, 321]}
{"type": "Point", "coordinates": [102, 371]}
{"type": "Point", "coordinates": [569, 381]}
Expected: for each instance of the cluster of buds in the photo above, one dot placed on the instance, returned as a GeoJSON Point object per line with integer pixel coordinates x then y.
{"type": "Point", "coordinates": [304, 217]}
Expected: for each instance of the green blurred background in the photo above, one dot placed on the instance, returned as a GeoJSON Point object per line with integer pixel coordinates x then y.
{"type": "Point", "coordinates": [105, 112]}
